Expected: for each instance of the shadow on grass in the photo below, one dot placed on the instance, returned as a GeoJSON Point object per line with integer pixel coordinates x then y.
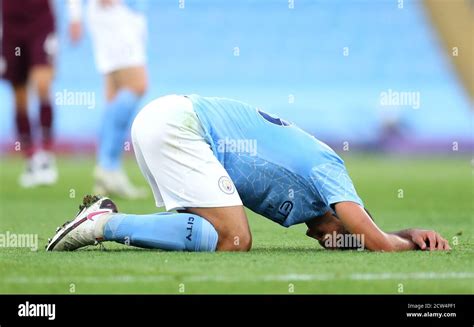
{"type": "Point", "coordinates": [254, 251]}
{"type": "Point", "coordinates": [303, 250]}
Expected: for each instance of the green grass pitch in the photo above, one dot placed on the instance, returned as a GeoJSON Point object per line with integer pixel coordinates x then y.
{"type": "Point", "coordinates": [429, 192]}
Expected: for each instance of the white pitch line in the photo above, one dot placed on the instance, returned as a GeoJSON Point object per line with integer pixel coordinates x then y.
{"type": "Point", "coordinates": [373, 276]}
{"type": "Point", "coordinates": [234, 279]}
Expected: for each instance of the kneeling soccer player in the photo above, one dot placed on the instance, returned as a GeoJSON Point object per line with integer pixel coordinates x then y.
{"type": "Point", "coordinates": [207, 158]}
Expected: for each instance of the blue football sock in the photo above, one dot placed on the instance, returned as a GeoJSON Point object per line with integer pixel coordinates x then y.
{"type": "Point", "coordinates": [114, 128]}
{"type": "Point", "coordinates": [165, 231]}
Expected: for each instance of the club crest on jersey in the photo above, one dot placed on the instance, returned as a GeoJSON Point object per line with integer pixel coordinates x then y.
{"type": "Point", "coordinates": [226, 185]}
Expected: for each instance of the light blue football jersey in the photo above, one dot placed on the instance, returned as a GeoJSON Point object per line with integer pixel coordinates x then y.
{"type": "Point", "coordinates": [138, 6]}
{"type": "Point", "coordinates": [280, 171]}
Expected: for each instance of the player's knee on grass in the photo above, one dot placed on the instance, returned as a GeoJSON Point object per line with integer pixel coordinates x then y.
{"type": "Point", "coordinates": [234, 241]}
{"type": "Point", "coordinates": [231, 225]}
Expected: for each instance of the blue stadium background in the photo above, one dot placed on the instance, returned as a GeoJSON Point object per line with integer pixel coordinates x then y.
{"type": "Point", "coordinates": [285, 54]}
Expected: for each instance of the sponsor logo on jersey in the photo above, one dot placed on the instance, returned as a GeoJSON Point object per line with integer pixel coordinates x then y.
{"type": "Point", "coordinates": [285, 208]}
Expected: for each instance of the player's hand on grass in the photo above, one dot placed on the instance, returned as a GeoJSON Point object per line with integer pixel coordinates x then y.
{"type": "Point", "coordinates": [428, 240]}
{"type": "Point", "coordinates": [356, 221]}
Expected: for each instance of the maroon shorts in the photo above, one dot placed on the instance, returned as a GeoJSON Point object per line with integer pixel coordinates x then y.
{"type": "Point", "coordinates": [29, 37]}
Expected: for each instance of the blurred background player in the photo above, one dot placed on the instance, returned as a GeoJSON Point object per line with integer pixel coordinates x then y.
{"type": "Point", "coordinates": [118, 31]}
{"type": "Point", "coordinates": [28, 49]}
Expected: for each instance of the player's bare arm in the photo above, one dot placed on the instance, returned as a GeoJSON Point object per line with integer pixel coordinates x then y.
{"type": "Point", "coordinates": [352, 218]}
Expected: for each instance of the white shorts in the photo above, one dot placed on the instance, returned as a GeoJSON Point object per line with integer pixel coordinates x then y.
{"type": "Point", "coordinates": [118, 36]}
{"type": "Point", "coordinates": [174, 157]}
